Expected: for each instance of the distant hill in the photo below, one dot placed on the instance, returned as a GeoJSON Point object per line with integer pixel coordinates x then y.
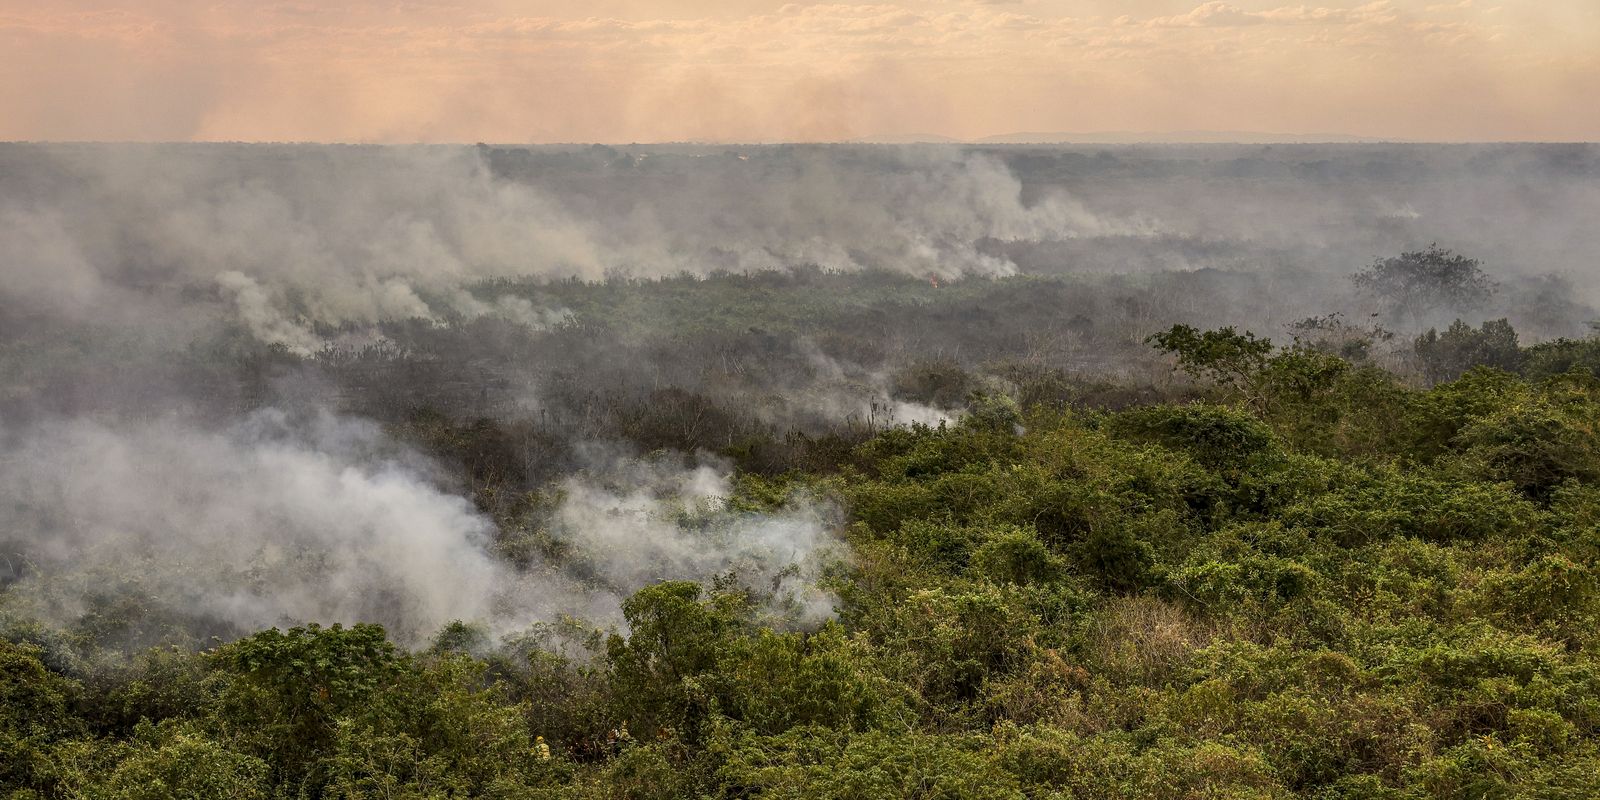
{"type": "Point", "coordinates": [906, 138]}
{"type": "Point", "coordinates": [1173, 137]}
{"type": "Point", "coordinates": [1125, 137]}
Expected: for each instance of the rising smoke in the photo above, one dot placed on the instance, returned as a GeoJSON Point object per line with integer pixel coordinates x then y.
{"type": "Point", "coordinates": [122, 264]}
{"type": "Point", "coordinates": [284, 518]}
{"type": "Point", "coordinates": [284, 239]}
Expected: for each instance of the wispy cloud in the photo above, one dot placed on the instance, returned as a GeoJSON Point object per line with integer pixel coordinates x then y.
{"type": "Point", "coordinates": [468, 71]}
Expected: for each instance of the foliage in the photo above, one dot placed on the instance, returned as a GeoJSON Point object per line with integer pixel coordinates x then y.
{"type": "Point", "coordinates": [1445, 356]}
{"type": "Point", "coordinates": [1301, 577]}
{"type": "Point", "coordinates": [34, 712]}
{"type": "Point", "coordinates": [1419, 282]}
{"type": "Point", "coordinates": [1559, 356]}
{"type": "Point", "coordinates": [1227, 357]}
{"type": "Point", "coordinates": [1213, 435]}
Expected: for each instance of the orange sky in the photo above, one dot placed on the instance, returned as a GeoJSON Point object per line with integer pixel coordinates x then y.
{"type": "Point", "coordinates": [750, 70]}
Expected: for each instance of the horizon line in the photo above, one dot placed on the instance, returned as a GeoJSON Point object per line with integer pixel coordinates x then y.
{"type": "Point", "coordinates": [866, 141]}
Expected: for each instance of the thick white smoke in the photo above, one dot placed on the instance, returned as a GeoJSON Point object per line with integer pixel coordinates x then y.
{"type": "Point", "coordinates": [844, 392]}
{"type": "Point", "coordinates": [282, 520]}
{"type": "Point", "coordinates": [635, 523]}
{"type": "Point", "coordinates": [285, 239]}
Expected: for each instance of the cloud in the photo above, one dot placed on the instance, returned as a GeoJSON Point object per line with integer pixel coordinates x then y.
{"type": "Point", "coordinates": [466, 72]}
{"type": "Point", "coordinates": [1209, 14]}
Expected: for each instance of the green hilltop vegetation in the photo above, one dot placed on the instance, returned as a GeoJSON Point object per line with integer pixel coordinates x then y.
{"type": "Point", "coordinates": [1304, 578]}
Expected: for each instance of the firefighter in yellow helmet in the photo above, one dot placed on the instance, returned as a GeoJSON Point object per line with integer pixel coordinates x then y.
{"type": "Point", "coordinates": [540, 749]}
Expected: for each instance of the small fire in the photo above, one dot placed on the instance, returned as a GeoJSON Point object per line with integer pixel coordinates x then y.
{"type": "Point", "coordinates": [934, 281]}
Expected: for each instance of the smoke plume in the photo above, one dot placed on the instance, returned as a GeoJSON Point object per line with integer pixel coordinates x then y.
{"type": "Point", "coordinates": [283, 519]}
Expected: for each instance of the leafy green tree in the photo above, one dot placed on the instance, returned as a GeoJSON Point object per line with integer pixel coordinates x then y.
{"type": "Point", "coordinates": [1417, 283]}
{"type": "Point", "coordinates": [1215, 436]}
{"type": "Point", "coordinates": [944, 644]}
{"type": "Point", "coordinates": [292, 688]}
{"type": "Point", "coordinates": [154, 685]}
{"type": "Point", "coordinates": [1445, 356]}
{"type": "Point", "coordinates": [1560, 356]}
{"type": "Point", "coordinates": [675, 640]}
{"type": "Point", "coordinates": [783, 681]}
{"type": "Point", "coordinates": [1228, 358]}
{"type": "Point", "coordinates": [1434, 506]}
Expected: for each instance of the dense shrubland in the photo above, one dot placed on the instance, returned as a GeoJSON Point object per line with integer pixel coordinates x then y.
{"type": "Point", "coordinates": [822, 471]}
{"type": "Point", "coordinates": [1321, 569]}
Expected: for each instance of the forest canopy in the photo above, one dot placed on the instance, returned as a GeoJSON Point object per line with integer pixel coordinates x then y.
{"type": "Point", "coordinates": [999, 493]}
{"type": "Point", "coordinates": [1302, 578]}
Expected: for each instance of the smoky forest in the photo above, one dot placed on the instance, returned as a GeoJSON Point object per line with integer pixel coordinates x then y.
{"type": "Point", "coordinates": [1182, 472]}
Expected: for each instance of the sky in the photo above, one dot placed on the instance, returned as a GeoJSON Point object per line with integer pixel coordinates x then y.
{"type": "Point", "coordinates": [621, 71]}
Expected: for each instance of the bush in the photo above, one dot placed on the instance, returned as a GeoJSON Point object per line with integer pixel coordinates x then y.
{"type": "Point", "coordinates": [1215, 436]}
{"type": "Point", "coordinates": [1536, 446]}
{"type": "Point", "coordinates": [1396, 502]}
{"type": "Point", "coordinates": [1446, 356]}
{"type": "Point", "coordinates": [166, 764]}
{"type": "Point", "coordinates": [1114, 559]}
{"type": "Point", "coordinates": [1560, 356]}
{"type": "Point", "coordinates": [34, 713]}
{"type": "Point", "coordinates": [1016, 555]}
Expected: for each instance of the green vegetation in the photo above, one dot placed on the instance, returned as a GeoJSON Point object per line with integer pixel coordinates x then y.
{"type": "Point", "coordinates": [1311, 579]}
{"type": "Point", "coordinates": [1414, 284]}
